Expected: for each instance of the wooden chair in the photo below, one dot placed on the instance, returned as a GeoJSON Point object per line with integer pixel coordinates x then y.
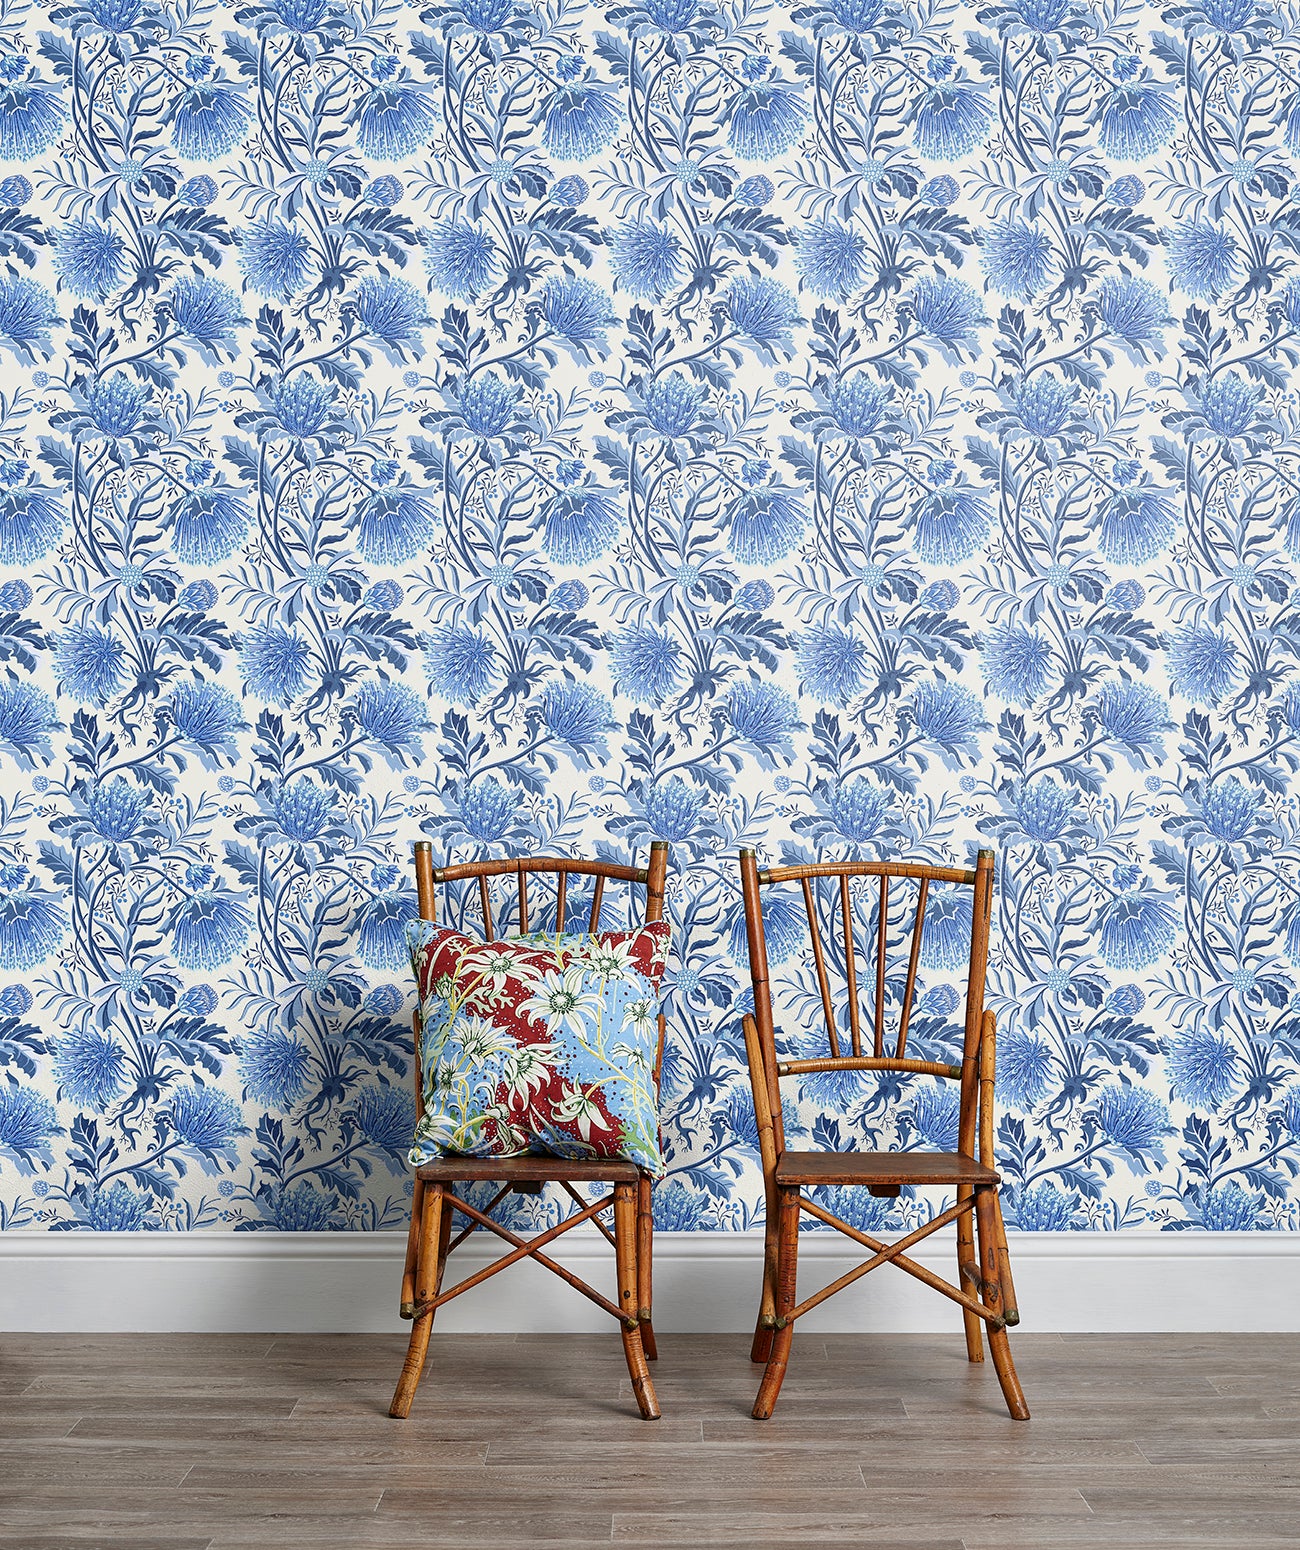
{"type": "Point", "coordinates": [991, 1300]}
{"type": "Point", "coordinates": [430, 1241]}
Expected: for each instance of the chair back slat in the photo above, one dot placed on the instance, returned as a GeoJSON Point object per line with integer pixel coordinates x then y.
{"type": "Point", "coordinates": [597, 894]}
{"type": "Point", "coordinates": [561, 894]}
{"type": "Point", "coordinates": [523, 901]}
{"type": "Point", "coordinates": [850, 968]}
{"type": "Point", "coordinates": [882, 926]}
{"type": "Point", "coordinates": [485, 908]}
{"type": "Point", "coordinates": [829, 953]}
{"type": "Point", "coordinates": [819, 958]}
{"type": "Point", "coordinates": [909, 990]}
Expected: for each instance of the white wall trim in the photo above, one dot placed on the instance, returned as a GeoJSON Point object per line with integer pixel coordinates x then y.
{"type": "Point", "coordinates": [705, 1282]}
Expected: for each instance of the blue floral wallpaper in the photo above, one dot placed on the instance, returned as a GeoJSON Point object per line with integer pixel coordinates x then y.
{"type": "Point", "coordinates": [859, 427]}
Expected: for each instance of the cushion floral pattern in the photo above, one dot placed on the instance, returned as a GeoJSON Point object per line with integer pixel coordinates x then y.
{"type": "Point", "coordinates": [539, 1044]}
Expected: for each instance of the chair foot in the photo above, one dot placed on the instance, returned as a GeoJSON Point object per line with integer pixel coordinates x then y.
{"type": "Point", "coordinates": [642, 1383]}
{"type": "Point", "coordinates": [990, 1240]}
{"type": "Point", "coordinates": [430, 1252]}
{"type": "Point", "coordinates": [773, 1373]}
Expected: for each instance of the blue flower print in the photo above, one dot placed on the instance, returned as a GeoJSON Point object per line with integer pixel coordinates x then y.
{"type": "Point", "coordinates": [765, 120]}
{"type": "Point", "coordinates": [115, 405]}
{"type": "Point", "coordinates": [1228, 404]}
{"type": "Point", "coordinates": [764, 311]}
{"type": "Point", "coordinates": [947, 716]}
{"type": "Point", "coordinates": [646, 259]}
{"type": "Point", "coordinates": [1203, 258]}
{"type": "Point", "coordinates": [206, 1119]}
{"type": "Point", "coordinates": [1136, 525]}
{"type": "Point", "coordinates": [117, 810]}
{"type": "Point", "coordinates": [31, 114]}
{"type": "Point", "coordinates": [275, 663]}
{"type": "Point", "coordinates": [89, 662]}
{"type": "Point", "coordinates": [208, 119]}
{"type": "Point", "coordinates": [766, 523]}
{"type": "Point", "coordinates": [462, 664]}
{"type": "Point", "coordinates": [1229, 809]}
{"type": "Point", "coordinates": [1018, 663]}
{"type": "Point", "coordinates": [1134, 121]}
{"type": "Point", "coordinates": [391, 310]}
{"type": "Point", "coordinates": [672, 405]}
{"type": "Point", "coordinates": [90, 1068]}
{"type": "Point", "coordinates": [932, 1116]}
{"type": "Point", "coordinates": [274, 1067]}
{"type": "Point", "coordinates": [1135, 716]}
{"type": "Point", "coordinates": [1133, 1120]}
{"type": "Point", "coordinates": [1018, 258]}
{"type": "Point", "coordinates": [673, 810]}
{"type": "Point", "coordinates": [857, 405]}
{"type": "Point", "coordinates": [1202, 1067]}
{"type": "Point", "coordinates": [948, 310]}
{"type": "Point", "coordinates": [577, 716]}
{"type": "Point", "coordinates": [488, 810]}
{"type": "Point", "coordinates": [27, 718]}
{"type": "Point", "coordinates": [28, 1123]}
{"type": "Point", "coordinates": [1229, 1208]}
{"type": "Point", "coordinates": [950, 121]}
{"type": "Point", "coordinates": [859, 811]}
{"type": "Point", "coordinates": [1042, 1208]}
{"type": "Point", "coordinates": [206, 715]}
{"type": "Point", "coordinates": [89, 259]}
{"type": "Point", "coordinates": [949, 526]}
{"type": "Point", "coordinates": [303, 811]}
{"type": "Point", "coordinates": [1203, 664]}
{"type": "Point", "coordinates": [1024, 1070]}
{"type": "Point", "coordinates": [210, 926]}
{"type": "Point", "coordinates": [1043, 16]}
{"type": "Point", "coordinates": [462, 259]}
{"type": "Point", "coordinates": [1126, 192]}
{"type": "Point", "coordinates": [785, 927]}
{"type": "Point", "coordinates": [302, 406]}
{"type": "Point", "coordinates": [832, 663]}
{"type": "Point", "coordinates": [394, 525]}
{"type": "Point", "coordinates": [762, 715]}
{"type": "Point", "coordinates": [207, 311]}
{"type": "Point", "coordinates": [393, 119]}
{"type": "Point", "coordinates": [32, 521]}
{"type": "Point", "coordinates": [945, 936]}
{"type": "Point", "coordinates": [832, 258]}
{"type": "Point", "coordinates": [390, 715]}
{"type": "Point", "coordinates": [1045, 810]}
{"type": "Point", "coordinates": [578, 311]}
{"type": "Point", "coordinates": [580, 120]}
{"type": "Point", "coordinates": [754, 192]}
{"type": "Point", "coordinates": [27, 313]}
{"type": "Point", "coordinates": [276, 258]}
{"type": "Point", "coordinates": [1134, 310]}
{"type": "Point", "coordinates": [647, 665]}
{"type": "Point", "coordinates": [1138, 927]}
{"type": "Point", "coordinates": [1044, 404]}
{"type": "Point", "coordinates": [32, 923]}
{"type": "Point", "coordinates": [207, 524]}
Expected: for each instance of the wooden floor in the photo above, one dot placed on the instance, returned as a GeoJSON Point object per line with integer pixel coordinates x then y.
{"type": "Point", "coordinates": [200, 1442]}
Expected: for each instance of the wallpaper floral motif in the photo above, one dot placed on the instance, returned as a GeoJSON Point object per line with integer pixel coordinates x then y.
{"type": "Point", "coordinates": [864, 427]}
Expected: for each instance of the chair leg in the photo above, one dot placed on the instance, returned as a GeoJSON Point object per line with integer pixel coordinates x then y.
{"type": "Point", "coordinates": [787, 1249]}
{"type": "Point", "coordinates": [765, 1327]}
{"type": "Point", "coordinates": [991, 1296]}
{"type": "Point", "coordinates": [967, 1274]}
{"type": "Point", "coordinates": [625, 1255]}
{"type": "Point", "coordinates": [412, 1248]}
{"type": "Point", "coordinates": [645, 1234]}
{"type": "Point", "coordinates": [427, 1274]}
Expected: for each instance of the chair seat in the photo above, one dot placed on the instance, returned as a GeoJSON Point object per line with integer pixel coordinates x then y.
{"type": "Point", "coordinates": [881, 1168]}
{"type": "Point", "coordinates": [530, 1170]}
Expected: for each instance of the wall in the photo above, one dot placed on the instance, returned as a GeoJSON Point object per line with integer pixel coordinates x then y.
{"type": "Point", "coordinates": [865, 428]}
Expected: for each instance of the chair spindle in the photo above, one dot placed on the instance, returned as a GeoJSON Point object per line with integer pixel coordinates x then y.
{"type": "Point", "coordinates": [850, 968]}
{"type": "Point", "coordinates": [882, 924]}
{"type": "Point", "coordinates": [909, 990]}
{"type": "Point", "coordinates": [823, 984]}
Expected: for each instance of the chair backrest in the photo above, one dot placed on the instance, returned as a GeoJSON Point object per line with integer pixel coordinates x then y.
{"type": "Point", "coordinates": [838, 899]}
{"type": "Point", "coordinates": [546, 907]}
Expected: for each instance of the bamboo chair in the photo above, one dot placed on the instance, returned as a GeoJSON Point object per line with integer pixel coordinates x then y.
{"type": "Point", "coordinates": [430, 1241]}
{"type": "Point", "coordinates": [969, 1175]}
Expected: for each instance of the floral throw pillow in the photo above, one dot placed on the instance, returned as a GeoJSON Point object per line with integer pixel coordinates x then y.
{"type": "Point", "coordinates": [539, 1044]}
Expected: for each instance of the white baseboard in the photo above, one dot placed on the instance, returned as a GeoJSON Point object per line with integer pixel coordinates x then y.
{"type": "Point", "coordinates": [704, 1282]}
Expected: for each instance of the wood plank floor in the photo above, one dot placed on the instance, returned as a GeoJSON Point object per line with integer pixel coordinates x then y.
{"type": "Point", "coordinates": [211, 1442]}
